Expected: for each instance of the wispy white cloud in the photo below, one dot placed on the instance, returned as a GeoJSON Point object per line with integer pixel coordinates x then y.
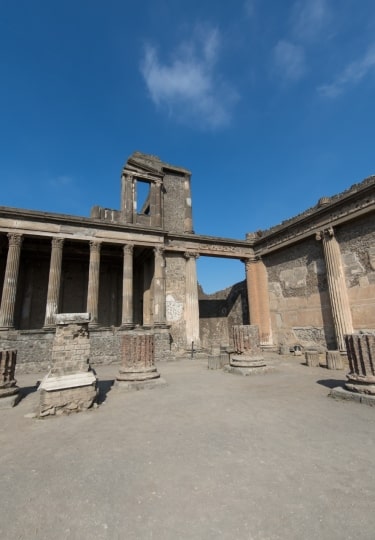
{"type": "Point", "coordinates": [289, 60]}
{"type": "Point", "coordinates": [352, 74]}
{"type": "Point", "coordinates": [61, 181]}
{"type": "Point", "coordinates": [249, 8]}
{"type": "Point", "coordinates": [309, 18]}
{"type": "Point", "coordinates": [188, 86]}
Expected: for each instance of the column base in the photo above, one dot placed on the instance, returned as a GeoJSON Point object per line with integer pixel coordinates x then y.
{"type": "Point", "coordinates": [127, 326]}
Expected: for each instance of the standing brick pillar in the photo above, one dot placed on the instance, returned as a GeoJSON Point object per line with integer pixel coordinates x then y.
{"type": "Point", "coordinates": [93, 284]}
{"type": "Point", "coordinates": [70, 386]}
{"type": "Point", "coordinates": [137, 360]}
{"type": "Point", "coordinates": [247, 358]}
{"type": "Point", "coordinates": [191, 301]}
{"type": "Point", "coordinates": [8, 299]}
{"type": "Point", "coordinates": [8, 384]}
{"type": "Point", "coordinates": [338, 295]}
{"type": "Point", "coordinates": [54, 280]}
{"type": "Point", "coordinates": [361, 356]}
{"type": "Point", "coordinates": [258, 298]}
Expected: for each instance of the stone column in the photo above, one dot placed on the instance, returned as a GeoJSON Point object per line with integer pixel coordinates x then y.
{"type": "Point", "coordinates": [191, 301]}
{"type": "Point", "coordinates": [247, 359]}
{"type": "Point", "coordinates": [54, 280]}
{"type": "Point", "coordinates": [159, 288]}
{"type": "Point", "coordinates": [8, 299]}
{"type": "Point", "coordinates": [258, 298]}
{"type": "Point", "coordinates": [342, 317]}
{"type": "Point", "coordinates": [361, 356]}
{"type": "Point", "coordinates": [8, 384]}
{"type": "Point", "coordinates": [127, 319]}
{"type": "Point", "coordinates": [93, 285]}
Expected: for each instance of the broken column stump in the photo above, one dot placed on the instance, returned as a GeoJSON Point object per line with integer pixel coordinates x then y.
{"type": "Point", "coordinates": [70, 385]}
{"type": "Point", "coordinates": [361, 356]}
{"type": "Point", "coordinates": [334, 360]}
{"type": "Point", "coordinates": [8, 385]}
{"type": "Point", "coordinates": [248, 358]}
{"type": "Point", "coordinates": [312, 358]}
{"type": "Point", "coordinates": [138, 368]}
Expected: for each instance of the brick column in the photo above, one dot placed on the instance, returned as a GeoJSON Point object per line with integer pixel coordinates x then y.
{"type": "Point", "coordinates": [8, 299]}
{"type": "Point", "coordinates": [127, 319]}
{"type": "Point", "coordinates": [342, 317]}
{"type": "Point", "coordinates": [54, 280]}
{"type": "Point", "coordinates": [93, 284]}
{"type": "Point", "coordinates": [159, 288]}
{"type": "Point", "coordinates": [258, 298]}
{"type": "Point", "coordinates": [191, 301]}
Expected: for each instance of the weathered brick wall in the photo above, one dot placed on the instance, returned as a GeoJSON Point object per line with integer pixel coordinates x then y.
{"type": "Point", "coordinates": [299, 301]}
{"type": "Point", "coordinates": [175, 265]}
{"type": "Point", "coordinates": [218, 312]}
{"type": "Point", "coordinates": [174, 203]}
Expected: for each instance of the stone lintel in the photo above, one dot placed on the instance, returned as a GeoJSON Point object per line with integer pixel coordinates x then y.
{"type": "Point", "coordinates": [52, 382]}
{"type": "Point", "coordinates": [72, 318]}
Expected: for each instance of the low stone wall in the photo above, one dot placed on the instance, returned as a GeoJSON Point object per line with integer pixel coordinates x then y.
{"type": "Point", "coordinates": [34, 347]}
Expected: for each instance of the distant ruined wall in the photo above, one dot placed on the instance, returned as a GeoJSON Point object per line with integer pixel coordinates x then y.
{"type": "Point", "coordinates": [218, 312]}
{"type": "Point", "coordinates": [177, 203]}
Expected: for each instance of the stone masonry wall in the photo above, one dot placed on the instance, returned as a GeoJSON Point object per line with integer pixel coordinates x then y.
{"type": "Point", "coordinates": [175, 298]}
{"type": "Point", "coordinates": [299, 301]}
{"type": "Point", "coordinates": [174, 203]}
{"type": "Point", "coordinates": [220, 311]}
{"type": "Point", "coordinates": [357, 244]}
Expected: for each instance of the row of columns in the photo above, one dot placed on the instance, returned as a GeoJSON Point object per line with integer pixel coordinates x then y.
{"type": "Point", "coordinates": [8, 299]}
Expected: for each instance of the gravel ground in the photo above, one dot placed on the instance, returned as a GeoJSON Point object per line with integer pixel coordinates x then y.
{"type": "Point", "coordinates": [209, 455]}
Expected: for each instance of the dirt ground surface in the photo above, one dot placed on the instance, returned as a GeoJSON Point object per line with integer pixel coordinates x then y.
{"type": "Point", "coordinates": [209, 455]}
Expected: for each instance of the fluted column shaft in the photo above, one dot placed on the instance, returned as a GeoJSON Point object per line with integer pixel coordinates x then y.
{"type": "Point", "coordinates": [54, 281]}
{"type": "Point", "coordinates": [191, 301]}
{"type": "Point", "coordinates": [93, 284]}
{"type": "Point", "coordinates": [342, 317]}
{"type": "Point", "coordinates": [258, 298]}
{"type": "Point", "coordinates": [127, 319]}
{"type": "Point", "coordinates": [159, 288]}
{"type": "Point", "coordinates": [8, 299]}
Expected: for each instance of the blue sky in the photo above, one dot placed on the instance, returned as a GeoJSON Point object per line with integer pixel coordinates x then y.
{"type": "Point", "coordinates": [270, 104]}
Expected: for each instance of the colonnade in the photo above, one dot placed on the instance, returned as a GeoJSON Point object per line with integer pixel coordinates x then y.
{"type": "Point", "coordinates": [8, 299]}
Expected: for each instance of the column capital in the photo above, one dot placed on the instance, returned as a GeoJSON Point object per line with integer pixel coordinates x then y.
{"type": "Point", "coordinates": [57, 242]}
{"type": "Point", "coordinates": [15, 239]}
{"type": "Point", "coordinates": [95, 245]}
{"type": "Point", "coordinates": [128, 249]}
{"type": "Point", "coordinates": [191, 255]}
{"type": "Point", "coordinates": [158, 250]}
{"type": "Point", "coordinates": [158, 182]}
{"type": "Point", "coordinates": [329, 232]}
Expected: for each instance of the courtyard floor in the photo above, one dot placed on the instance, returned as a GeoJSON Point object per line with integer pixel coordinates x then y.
{"type": "Point", "coordinates": [210, 455]}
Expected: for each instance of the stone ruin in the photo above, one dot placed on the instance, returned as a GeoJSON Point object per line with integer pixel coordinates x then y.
{"type": "Point", "coordinates": [71, 384]}
{"type": "Point", "coordinates": [138, 368]}
{"type": "Point", "coordinates": [9, 390]}
{"type": "Point", "coordinates": [248, 358]}
{"type": "Point", "coordinates": [361, 356]}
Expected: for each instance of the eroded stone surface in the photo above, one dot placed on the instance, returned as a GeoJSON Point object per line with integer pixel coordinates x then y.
{"type": "Point", "coordinates": [137, 358]}
{"type": "Point", "coordinates": [361, 356]}
{"type": "Point", "coordinates": [8, 383]}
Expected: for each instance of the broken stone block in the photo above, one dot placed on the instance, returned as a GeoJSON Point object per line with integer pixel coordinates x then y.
{"type": "Point", "coordinates": [334, 360]}
{"type": "Point", "coordinates": [312, 358]}
{"type": "Point", "coordinates": [71, 384]}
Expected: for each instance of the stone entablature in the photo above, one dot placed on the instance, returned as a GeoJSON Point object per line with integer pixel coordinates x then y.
{"type": "Point", "coordinates": [337, 210]}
